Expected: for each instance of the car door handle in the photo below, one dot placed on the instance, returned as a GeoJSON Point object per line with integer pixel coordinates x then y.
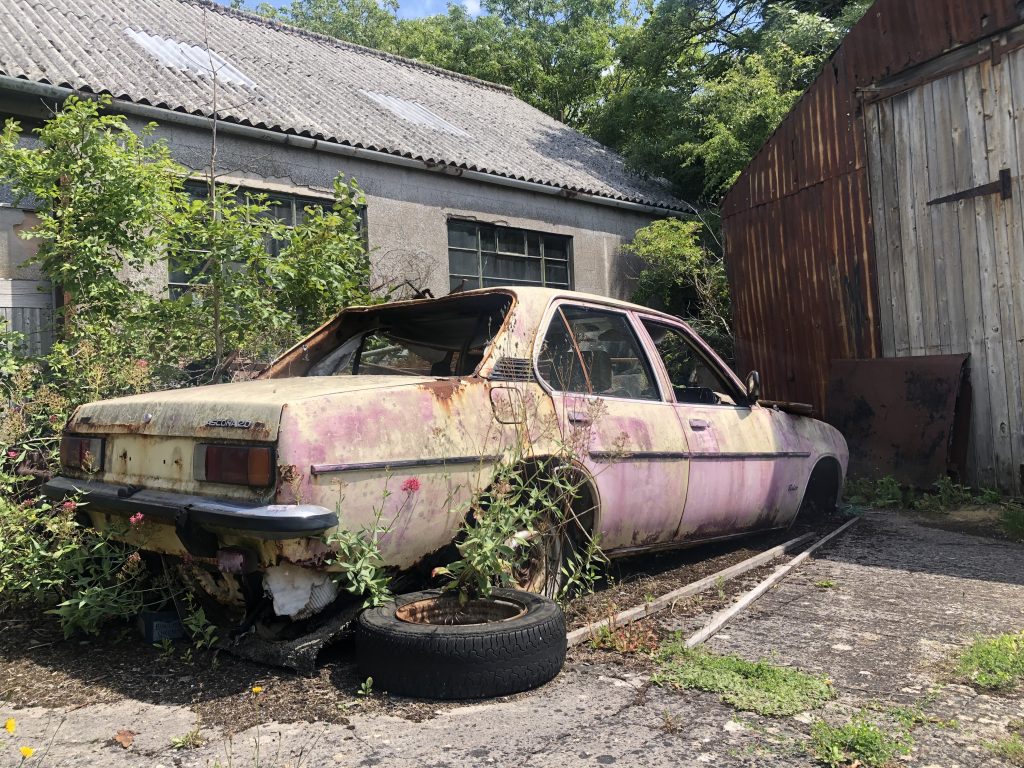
{"type": "Point", "coordinates": [698, 425]}
{"type": "Point", "coordinates": [579, 418]}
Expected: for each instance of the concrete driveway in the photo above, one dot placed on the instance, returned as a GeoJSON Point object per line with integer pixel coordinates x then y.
{"type": "Point", "coordinates": [903, 598]}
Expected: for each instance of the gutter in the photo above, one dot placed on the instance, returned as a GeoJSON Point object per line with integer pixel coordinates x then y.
{"type": "Point", "coordinates": [160, 115]}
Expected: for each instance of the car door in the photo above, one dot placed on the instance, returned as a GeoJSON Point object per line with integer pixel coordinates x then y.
{"type": "Point", "coordinates": [616, 421]}
{"type": "Point", "coordinates": [743, 472]}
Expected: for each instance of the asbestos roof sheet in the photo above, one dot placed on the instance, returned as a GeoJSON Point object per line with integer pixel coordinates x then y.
{"type": "Point", "coordinates": [165, 52]}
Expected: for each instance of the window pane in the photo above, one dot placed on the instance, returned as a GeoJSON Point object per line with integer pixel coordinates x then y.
{"type": "Point", "coordinates": [556, 247]}
{"type": "Point", "coordinates": [462, 234]}
{"type": "Point", "coordinates": [533, 244]}
{"type": "Point", "coordinates": [511, 240]}
{"type": "Point", "coordinates": [558, 364]}
{"type": "Point", "coordinates": [511, 267]}
{"type": "Point", "coordinates": [693, 380]}
{"type": "Point", "coordinates": [463, 262]}
{"type": "Point", "coordinates": [556, 275]}
{"type": "Point", "coordinates": [614, 361]}
{"type": "Point", "coordinates": [488, 239]}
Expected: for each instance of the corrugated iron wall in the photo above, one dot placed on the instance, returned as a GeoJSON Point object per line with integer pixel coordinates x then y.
{"type": "Point", "coordinates": [797, 223]}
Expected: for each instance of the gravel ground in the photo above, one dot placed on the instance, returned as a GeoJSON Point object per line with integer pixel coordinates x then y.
{"type": "Point", "coordinates": [905, 597]}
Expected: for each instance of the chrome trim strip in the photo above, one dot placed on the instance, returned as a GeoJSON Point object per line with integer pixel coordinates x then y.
{"type": "Point", "coordinates": [324, 469]}
{"type": "Point", "coordinates": [671, 455]}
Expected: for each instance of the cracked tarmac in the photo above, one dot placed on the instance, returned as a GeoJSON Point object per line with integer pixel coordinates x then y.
{"type": "Point", "coordinates": [905, 597]}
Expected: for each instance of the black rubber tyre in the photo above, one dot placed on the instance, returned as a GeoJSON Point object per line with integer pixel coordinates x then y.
{"type": "Point", "coordinates": [471, 661]}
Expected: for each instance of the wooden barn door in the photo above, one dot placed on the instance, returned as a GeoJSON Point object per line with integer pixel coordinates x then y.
{"type": "Point", "coordinates": [945, 162]}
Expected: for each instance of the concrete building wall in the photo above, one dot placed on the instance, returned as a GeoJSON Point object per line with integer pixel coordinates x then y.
{"type": "Point", "coordinates": [407, 213]}
{"type": "Point", "coordinates": [407, 209]}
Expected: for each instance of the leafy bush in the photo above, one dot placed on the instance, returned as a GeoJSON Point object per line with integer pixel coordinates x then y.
{"type": "Point", "coordinates": [49, 560]}
{"type": "Point", "coordinates": [1012, 518]}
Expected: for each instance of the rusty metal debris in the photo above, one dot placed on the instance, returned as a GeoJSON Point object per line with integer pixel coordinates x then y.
{"type": "Point", "coordinates": [905, 417]}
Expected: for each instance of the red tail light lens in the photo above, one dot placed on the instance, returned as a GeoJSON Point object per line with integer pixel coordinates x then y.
{"type": "Point", "coordinates": [235, 464]}
{"type": "Point", "coordinates": [84, 453]}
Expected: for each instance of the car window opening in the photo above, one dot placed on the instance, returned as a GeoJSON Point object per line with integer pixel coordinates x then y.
{"type": "Point", "coordinates": [449, 339]}
{"type": "Point", "coordinates": [694, 380]}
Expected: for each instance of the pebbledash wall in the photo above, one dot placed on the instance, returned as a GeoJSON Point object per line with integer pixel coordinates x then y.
{"type": "Point", "coordinates": [407, 213]}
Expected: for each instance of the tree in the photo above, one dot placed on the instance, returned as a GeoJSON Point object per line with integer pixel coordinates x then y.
{"type": "Point", "coordinates": [363, 22]}
{"type": "Point", "coordinates": [111, 206]}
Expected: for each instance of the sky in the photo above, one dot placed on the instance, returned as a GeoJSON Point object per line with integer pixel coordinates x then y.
{"type": "Point", "coordinates": [407, 9]}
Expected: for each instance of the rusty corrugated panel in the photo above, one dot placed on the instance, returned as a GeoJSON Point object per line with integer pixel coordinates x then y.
{"type": "Point", "coordinates": [799, 248]}
{"type": "Point", "coordinates": [906, 417]}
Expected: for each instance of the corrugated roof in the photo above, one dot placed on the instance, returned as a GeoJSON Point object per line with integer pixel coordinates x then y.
{"type": "Point", "coordinates": [277, 77]}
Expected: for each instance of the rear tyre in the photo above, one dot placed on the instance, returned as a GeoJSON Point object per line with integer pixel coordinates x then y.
{"type": "Point", "coordinates": [432, 659]}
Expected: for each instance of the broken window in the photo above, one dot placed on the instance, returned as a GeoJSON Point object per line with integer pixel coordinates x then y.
{"type": "Point", "coordinates": [483, 255]}
{"type": "Point", "coordinates": [595, 352]}
{"type": "Point", "coordinates": [447, 338]}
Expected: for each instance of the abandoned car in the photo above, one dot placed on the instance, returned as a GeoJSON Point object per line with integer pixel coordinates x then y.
{"type": "Point", "coordinates": [396, 417]}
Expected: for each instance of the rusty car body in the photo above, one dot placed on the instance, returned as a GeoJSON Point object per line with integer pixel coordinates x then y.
{"type": "Point", "coordinates": [401, 412]}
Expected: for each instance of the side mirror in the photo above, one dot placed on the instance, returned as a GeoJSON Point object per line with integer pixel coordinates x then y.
{"type": "Point", "coordinates": [753, 386]}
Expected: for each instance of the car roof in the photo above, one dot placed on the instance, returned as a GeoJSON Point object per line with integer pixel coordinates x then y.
{"type": "Point", "coordinates": [534, 295]}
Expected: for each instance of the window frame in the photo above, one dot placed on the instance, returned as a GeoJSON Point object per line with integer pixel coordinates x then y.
{"type": "Point", "coordinates": [479, 278]}
{"type": "Point", "coordinates": [198, 189]}
{"type": "Point", "coordinates": [702, 351]}
{"type": "Point", "coordinates": [642, 340]}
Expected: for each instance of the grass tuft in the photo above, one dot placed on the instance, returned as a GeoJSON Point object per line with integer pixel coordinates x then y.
{"type": "Point", "coordinates": [1012, 519]}
{"type": "Point", "coordinates": [993, 662]}
{"type": "Point", "coordinates": [761, 686]}
{"type": "Point", "coordinates": [861, 741]}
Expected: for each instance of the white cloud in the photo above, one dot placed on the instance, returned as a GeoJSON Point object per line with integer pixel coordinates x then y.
{"type": "Point", "coordinates": [472, 6]}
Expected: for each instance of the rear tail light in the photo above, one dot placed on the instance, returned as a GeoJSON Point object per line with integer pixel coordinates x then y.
{"type": "Point", "coordinates": [84, 453]}
{"type": "Point", "coordinates": [234, 464]}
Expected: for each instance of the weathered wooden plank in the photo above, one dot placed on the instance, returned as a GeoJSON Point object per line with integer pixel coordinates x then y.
{"type": "Point", "coordinates": [1016, 62]}
{"type": "Point", "coordinates": [936, 144]}
{"type": "Point", "coordinates": [996, 430]}
{"type": "Point", "coordinates": [905, 170]}
{"type": "Point", "coordinates": [979, 460]}
{"type": "Point", "coordinates": [921, 116]}
{"type": "Point", "coordinates": [1010, 250]}
{"type": "Point", "coordinates": [950, 280]}
{"type": "Point", "coordinates": [876, 186]}
{"type": "Point", "coordinates": [894, 244]}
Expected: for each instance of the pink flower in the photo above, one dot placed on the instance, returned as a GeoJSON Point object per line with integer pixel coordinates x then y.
{"type": "Point", "coordinates": [69, 505]}
{"type": "Point", "coordinates": [142, 363]}
{"type": "Point", "coordinates": [411, 485]}
{"type": "Point", "coordinates": [136, 519]}
{"type": "Point", "coordinates": [12, 454]}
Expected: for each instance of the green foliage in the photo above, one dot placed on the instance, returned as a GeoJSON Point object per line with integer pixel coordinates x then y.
{"type": "Point", "coordinates": [761, 686]}
{"type": "Point", "coordinates": [88, 176]}
{"type": "Point", "coordinates": [682, 275]}
{"type": "Point", "coordinates": [49, 560]}
{"type": "Point", "coordinates": [527, 500]}
{"type": "Point", "coordinates": [861, 741]}
{"type": "Point", "coordinates": [884, 493]}
{"type": "Point", "coordinates": [366, 687]}
{"type": "Point", "coordinates": [993, 663]}
{"type": "Point", "coordinates": [946, 496]}
{"type": "Point", "coordinates": [358, 556]}
{"type": "Point", "coordinates": [1010, 749]}
{"type": "Point", "coordinates": [1012, 519]}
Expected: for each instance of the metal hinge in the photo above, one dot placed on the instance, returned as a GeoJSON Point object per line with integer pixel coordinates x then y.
{"type": "Point", "coordinates": [1004, 186]}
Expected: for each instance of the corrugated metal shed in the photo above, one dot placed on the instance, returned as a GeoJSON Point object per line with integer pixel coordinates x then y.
{"type": "Point", "coordinates": [797, 223]}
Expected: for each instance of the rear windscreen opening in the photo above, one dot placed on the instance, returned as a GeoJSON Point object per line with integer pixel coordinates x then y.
{"type": "Point", "coordinates": [442, 338]}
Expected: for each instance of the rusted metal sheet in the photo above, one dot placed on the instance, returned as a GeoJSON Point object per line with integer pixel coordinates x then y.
{"type": "Point", "coordinates": [906, 417]}
{"type": "Point", "coordinates": [797, 223]}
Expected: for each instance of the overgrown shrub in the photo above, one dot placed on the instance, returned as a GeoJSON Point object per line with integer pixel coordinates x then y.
{"type": "Point", "coordinates": [50, 561]}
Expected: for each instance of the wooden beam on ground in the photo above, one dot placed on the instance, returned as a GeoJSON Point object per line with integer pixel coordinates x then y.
{"type": "Point", "coordinates": [659, 604]}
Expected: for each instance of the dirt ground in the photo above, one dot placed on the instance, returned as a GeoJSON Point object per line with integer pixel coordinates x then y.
{"type": "Point", "coordinates": [904, 596]}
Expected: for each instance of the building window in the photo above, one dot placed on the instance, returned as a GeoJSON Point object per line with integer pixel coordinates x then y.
{"type": "Point", "coordinates": [290, 210]}
{"type": "Point", "coordinates": [482, 255]}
